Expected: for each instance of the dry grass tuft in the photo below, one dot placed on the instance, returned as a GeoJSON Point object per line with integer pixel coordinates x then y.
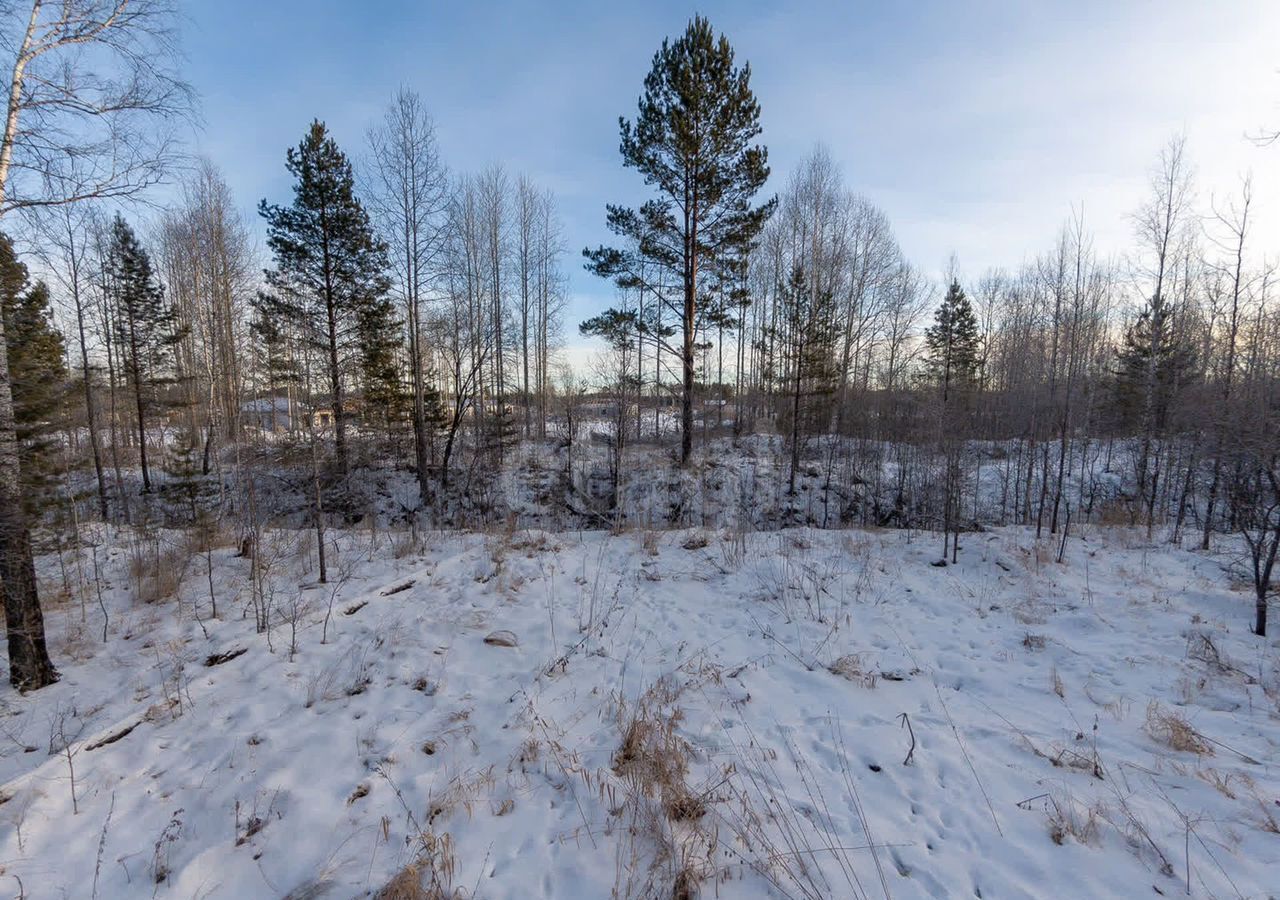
{"type": "Point", "coordinates": [1112, 512]}
{"type": "Point", "coordinates": [654, 758]}
{"type": "Point", "coordinates": [156, 571]}
{"type": "Point", "coordinates": [404, 885]}
{"type": "Point", "coordinates": [686, 883]}
{"type": "Point", "coordinates": [696, 541]}
{"type": "Point", "coordinates": [1056, 681]}
{"type": "Point", "coordinates": [208, 537]}
{"type": "Point", "coordinates": [1267, 818]}
{"type": "Point", "coordinates": [1068, 820]}
{"type": "Point", "coordinates": [532, 543]}
{"type": "Point", "coordinates": [1221, 781]}
{"type": "Point", "coordinates": [406, 543]}
{"type": "Point", "coordinates": [1173, 730]}
{"type": "Point", "coordinates": [667, 818]}
{"type": "Point", "coordinates": [429, 877]}
{"type": "Point", "coordinates": [851, 668]}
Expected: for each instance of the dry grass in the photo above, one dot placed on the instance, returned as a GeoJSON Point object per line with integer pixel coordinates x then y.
{"type": "Point", "coordinates": [463, 792]}
{"type": "Point", "coordinates": [1031, 611]}
{"type": "Point", "coordinates": [405, 544]}
{"type": "Point", "coordinates": [696, 541]}
{"type": "Point", "coordinates": [156, 571]}
{"type": "Point", "coordinates": [212, 536]}
{"type": "Point", "coordinates": [404, 885]}
{"type": "Point", "coordinates": [1173, 730]}
{"type": "Point", "coordinates": [1221, 781]}
{"type": "Point", "coordinates": [669, 845]}
{"type": "Point", "coordinates": [655, 759]}
{"type": "Point", "coordinates": [734, 549]}
{"type": "Point", "coordinates": [1112, 513]}
{"type": "Point", "coordinates": [533, 543]}
{"type": "Point", "coordinates": [1071, 758]}
{"type": "Point", "coordinates": [429, 876]}
{"type": "Point", "coordinates": [77, 642]}
{"type": "Point", "coordinates": [1267, 817]}
{"type": "Point", "coordinates": [852, 668]}
{"type": "Point", "coordinates": [649, 542]}
{"type": "Point", "coordinates": [1068, 820]}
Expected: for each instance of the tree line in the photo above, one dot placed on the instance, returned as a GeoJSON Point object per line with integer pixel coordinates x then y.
{"type": "Point", "coordinates": [160, 368]}
{"type": "Point", "coordinates": [800, 315]}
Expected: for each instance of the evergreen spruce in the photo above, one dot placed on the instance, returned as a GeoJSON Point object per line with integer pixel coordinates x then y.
{"type": "Point", "coordinates": [330, 273]}
{"type": "Point", "coordinates": [37, 366]}
{"type": "Point", "coordinates": [953, 344]}
{"type": "Point", "coordinates": [386, 399]}
{"type": "Point", "coordinates": [274, 360]}
{"type": "Point", "coordinates": [190, 496]}
{"type": "Point", "coordinates": [191, 502]}
{"type": "Point", "coordinates": [808, 343]}
{"type": "Point", "coordinates": [146, 327]}
{"type": "Point", "coordinates": [692, 140]}
{"type": "Point", "coordinates": [1153, 362]}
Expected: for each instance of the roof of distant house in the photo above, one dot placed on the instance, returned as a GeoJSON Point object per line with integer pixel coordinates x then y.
{"type": "Point", "coordinates": [267, 404]}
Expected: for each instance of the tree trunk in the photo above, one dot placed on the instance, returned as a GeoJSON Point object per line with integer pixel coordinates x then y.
{"type": "Point", "coordinates": [335, 373]}
{"type": "Point", "coordinates": [317, 509]}
{"type": "Point", "coordinates": [1262, 569]}
{"type": "Point", "coordinates": [421, 445]}
{"type": "Point", "coordinates": [686, 355]}
{"type": "Point", "coordinates": [142, 424]}
{"type": "Point", "coordinates": [29, 664]}
{"type": "Point", "coordinates": [335, 387]}
{"type": "Point", "coordinates": [90, 412]}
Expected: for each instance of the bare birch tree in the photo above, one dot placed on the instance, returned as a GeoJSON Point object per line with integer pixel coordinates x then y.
{"type": "Point", "coordinates": [409, 196]}
{"type": "Point", "coordinates": [93, 103]}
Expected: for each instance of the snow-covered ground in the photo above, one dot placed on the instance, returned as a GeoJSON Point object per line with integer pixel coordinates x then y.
{"type": "Point", "coordinates": [684, 713]}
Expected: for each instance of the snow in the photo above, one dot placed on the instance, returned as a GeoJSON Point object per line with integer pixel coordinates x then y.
{"type": "Point", "coordinates": [774, 667]}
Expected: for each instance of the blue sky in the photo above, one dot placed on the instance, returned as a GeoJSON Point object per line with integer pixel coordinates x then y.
{"type": "Point", "coordinates": [977, 127]}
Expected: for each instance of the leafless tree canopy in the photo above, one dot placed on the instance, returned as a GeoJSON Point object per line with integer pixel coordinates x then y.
{"type": "Point", "coordinates": [100, 101]}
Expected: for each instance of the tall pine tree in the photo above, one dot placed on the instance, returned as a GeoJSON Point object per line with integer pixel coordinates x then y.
{"type": "Point", "coordinates": [330, 272]}
{"type": "Point", "coordinates": [692, 140]}
{"type": "Point", "coordinates": [953, 344]}
{"type": "Point", "coordinates": [146, 328]}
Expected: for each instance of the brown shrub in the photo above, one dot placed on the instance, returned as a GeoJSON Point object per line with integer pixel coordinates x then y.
{"type": "Point", "coordinates": [157, 571]}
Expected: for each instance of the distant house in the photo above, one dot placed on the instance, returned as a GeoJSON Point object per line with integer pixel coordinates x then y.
{"type": "Point", "coordinates": [275, 415]}
{"type": "Point", "coordinates": [604, 406]}
{"type": "Point", "coordinates": [600, 409]}
{"type": "Point", "coordinates": [662, 401]}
